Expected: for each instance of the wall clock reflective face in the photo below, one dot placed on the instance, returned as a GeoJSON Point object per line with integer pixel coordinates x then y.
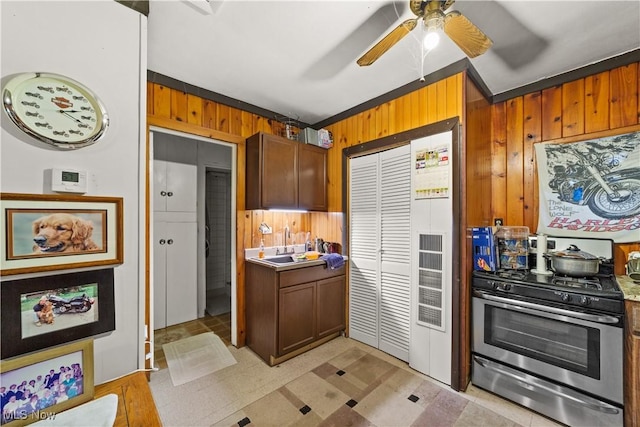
{"type": "Point", "coordinates": [55, 109]}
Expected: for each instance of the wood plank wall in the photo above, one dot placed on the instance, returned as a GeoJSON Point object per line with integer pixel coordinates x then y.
{"type": "Point", "coordinates": [178, 111]}
{"type": "Point", "coordinates": [429, 104]}
{"type": "Point", "coordinates": [598, 105]}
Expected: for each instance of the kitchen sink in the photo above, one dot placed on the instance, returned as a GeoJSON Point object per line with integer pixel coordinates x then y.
{"type": "Point", "coordinates": [280, 259]}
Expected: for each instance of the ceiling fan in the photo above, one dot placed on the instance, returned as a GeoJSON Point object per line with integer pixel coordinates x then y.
{"type": "Point", "coordinates": [461, 30]}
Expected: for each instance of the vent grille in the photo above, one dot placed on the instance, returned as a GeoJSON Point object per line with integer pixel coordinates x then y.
{"type": "Point", "coordinates": [431, 280]}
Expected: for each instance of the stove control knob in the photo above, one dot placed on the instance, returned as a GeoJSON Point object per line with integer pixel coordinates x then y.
{"type": "Point", "coordinates": [493, 285]}
{"type": "Point", "coordinates": [585, 300]}
{"type": "Point", "coordinates": [565, 297]}
{"type": "Point", "coordinates": [506, 287]}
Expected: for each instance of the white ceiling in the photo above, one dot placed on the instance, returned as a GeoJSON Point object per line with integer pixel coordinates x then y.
{"type": "Point", "coordinates": [298, 58]}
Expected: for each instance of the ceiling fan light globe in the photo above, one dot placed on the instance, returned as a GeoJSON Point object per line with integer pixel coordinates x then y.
{"type": "Point", "coordinates": [431, 40]}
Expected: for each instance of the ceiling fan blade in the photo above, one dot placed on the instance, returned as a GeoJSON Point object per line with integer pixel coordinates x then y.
{"type": "Point", "coordinates": [466, 35]}
{"type": "Point", "coordinates": [389, 40]}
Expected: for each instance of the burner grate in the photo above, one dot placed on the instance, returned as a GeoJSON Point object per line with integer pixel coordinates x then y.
{"type": "Point", "coordinates": [577, 282]}
{"type": "Point", "coordinates": [512, 274]}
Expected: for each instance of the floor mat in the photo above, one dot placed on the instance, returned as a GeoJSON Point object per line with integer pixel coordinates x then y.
{"type": "Point", "coordinates": [194, 357]}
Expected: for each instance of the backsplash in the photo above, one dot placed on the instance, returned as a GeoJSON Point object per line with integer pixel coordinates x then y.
{"type": "Point", "coordinates": [327, 225]}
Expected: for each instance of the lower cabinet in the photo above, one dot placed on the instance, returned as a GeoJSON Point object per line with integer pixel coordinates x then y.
{"type": "Point", "coordinates": [632, 364]}
{"type": "Point", "coordinates": [175, 273]}
{"type": "Point", "coordinates": [296, 317]}
{"type": "Point", "coordinates": [331, 301]}
{"type": "Point", "coordinates": [289, 312]}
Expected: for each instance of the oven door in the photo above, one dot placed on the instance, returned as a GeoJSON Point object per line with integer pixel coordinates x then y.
{"type": "Point", "coordinates": [585, 353]}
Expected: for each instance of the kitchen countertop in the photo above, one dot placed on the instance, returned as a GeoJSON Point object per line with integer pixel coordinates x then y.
{"type": "Point", "coordinates": [630, 289]}
{"type": "Point", "coordinates": [287, 266]}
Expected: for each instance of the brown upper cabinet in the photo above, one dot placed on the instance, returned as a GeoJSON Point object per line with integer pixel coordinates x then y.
{"type": "Point", "coordinates": [285, 174]}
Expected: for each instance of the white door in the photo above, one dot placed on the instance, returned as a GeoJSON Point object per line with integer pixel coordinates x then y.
{"type": "Point", "coordinates": [364, 242]}
{"type": "Point", "coordinates": [175, 175]}
{"type": "Point", "coordinates": [175, 273]}
{"type": "Point", "coordinates": [380, 244]}
{"type": "Point", "coordinates": [175, 186]}
{"type": "Point", "coordinates": [159, 275]}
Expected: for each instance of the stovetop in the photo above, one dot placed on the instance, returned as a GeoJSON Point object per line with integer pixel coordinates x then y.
{"type": "Point", "coordinates": [600, 292]}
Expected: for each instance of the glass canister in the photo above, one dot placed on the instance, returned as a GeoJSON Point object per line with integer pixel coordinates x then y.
{"type": "Point", "coordinates": [513, 247]}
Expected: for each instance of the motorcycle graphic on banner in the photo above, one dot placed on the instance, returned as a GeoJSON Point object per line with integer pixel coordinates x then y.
{"type": "Point", "coordinates": [591, 188]}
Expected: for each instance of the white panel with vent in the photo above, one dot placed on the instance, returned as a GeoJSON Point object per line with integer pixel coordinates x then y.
{"type": "Point", "coordinates": [431, 243]}
{"type": "Point", "coordinates": [431, 289]}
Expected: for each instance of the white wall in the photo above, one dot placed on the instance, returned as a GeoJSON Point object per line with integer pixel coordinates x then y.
{"type": "Point", "coordinates": [102, 44]}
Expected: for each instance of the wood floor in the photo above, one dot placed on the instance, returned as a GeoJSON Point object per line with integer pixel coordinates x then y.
{"type": "Point", "coordinates": [135, 402]}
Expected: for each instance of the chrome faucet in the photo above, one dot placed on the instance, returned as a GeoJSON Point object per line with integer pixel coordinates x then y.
{"type": "Point", "coordinates": [287, 234]}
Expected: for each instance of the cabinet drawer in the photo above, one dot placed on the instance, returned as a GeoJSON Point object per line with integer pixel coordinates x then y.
{"type": "Point", "coordinates": [308, 274]}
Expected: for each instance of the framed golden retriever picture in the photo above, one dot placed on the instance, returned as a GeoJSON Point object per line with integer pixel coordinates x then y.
{"type": "Point", "coordinates": [43, 232]}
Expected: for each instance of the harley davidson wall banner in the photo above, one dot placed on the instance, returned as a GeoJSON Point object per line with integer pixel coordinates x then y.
{"type": "Point", "coordinates": [591, 188]}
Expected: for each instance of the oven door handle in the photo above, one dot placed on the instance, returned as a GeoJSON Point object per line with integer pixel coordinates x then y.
{"type": "Point", "coordinates": [530, 307]}
{"type": "Point", "coordinates": [532, 383]}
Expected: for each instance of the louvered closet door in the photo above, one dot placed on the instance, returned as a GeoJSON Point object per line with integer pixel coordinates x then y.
{"type": "Point", "coordinates": [364, 245]}
{"type": "Point", "coordinates": [380, 196]}
{"type": "Point", "coordinates": [395, 254]}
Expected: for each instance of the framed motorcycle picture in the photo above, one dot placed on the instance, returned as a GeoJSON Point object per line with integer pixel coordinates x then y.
{"type": "Point", "coordinates": [47, 311]}
{"type": "Point", "coordinates": [590, 188]}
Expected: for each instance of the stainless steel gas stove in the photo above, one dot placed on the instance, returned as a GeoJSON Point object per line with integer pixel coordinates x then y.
{"type": "Point", "coordinates": [553, 343]}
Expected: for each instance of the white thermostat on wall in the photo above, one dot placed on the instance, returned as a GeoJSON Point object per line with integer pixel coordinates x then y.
{"type": "Point", "coordinates": [68, 181]}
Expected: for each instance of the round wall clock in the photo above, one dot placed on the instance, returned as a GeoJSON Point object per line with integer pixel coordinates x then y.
{"type": "Point", "coordinates": [55, 109]}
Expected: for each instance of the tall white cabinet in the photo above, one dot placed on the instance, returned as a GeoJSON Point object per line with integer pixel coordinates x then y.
{"type": "Point", "coordinates": [175, 232]}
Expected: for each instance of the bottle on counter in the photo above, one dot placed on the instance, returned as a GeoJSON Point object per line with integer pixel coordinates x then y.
{"type": "Point", "coordinates": [308, 246]}
{"type": "Point", "coordinates": [261, 251]}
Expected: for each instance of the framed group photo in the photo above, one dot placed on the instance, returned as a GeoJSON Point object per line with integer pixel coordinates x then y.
{"type": "Point", "coordinates": [44, 232]}
{"type": "Point", "coordinates": [42, 312]}
{"type": "Point", "coordinates": [46, 383]}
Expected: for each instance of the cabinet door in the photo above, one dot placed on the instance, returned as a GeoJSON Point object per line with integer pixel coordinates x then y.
{"type": "Point", "coordinates": [159, 185]}
{"type": "Point", "coordinates": [312, 177]}
{"type": "Point", "coordinates": [174, 186]}
{"type": "Point", "coordinates": [159, 275]}
{"type": "Point", "coordinates": [632, 364]}
{"type": "Point", "coordinates": [174, 273]}
{"type": "Point", "coordinates": [330, 305]}
{"type": "Point", "coordinates": [296, 317]}
{"type": "Point", "coordinates": [279, 172]}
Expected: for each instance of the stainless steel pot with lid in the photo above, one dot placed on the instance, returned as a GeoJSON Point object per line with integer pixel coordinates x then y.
{"type": "Point", "coordinates": [574, 262]}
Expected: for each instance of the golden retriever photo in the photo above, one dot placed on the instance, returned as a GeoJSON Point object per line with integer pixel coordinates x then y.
{"type": "Point", "coordinates": [62, 232]}
{"type": "Point", "coordinates": [46, 315]}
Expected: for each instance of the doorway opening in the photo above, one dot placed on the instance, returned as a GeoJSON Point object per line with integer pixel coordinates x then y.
{"type": "Point", "coordinates": [218, 241]}
{"type": "Point", "coordinates": [213, 161]}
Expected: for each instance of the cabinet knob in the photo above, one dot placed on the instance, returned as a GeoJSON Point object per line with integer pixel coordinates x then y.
{"type": "Point", "coordinates": [170, 242]}
{"type": "Point", "coordinates": [163, 193]}
{"type": "Point", "coordinates": [162, 241]}
{"type": "Point", "coordinates": [169, 194]}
